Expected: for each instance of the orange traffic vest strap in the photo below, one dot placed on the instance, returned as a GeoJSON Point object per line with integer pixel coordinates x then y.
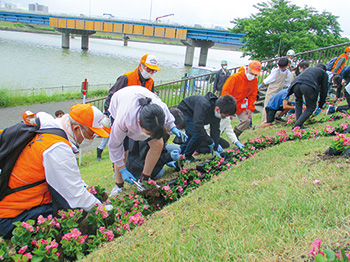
{"type": "Point", "coordinates": [134, 79]}
{"type": "Point", "coordinates": [53, 131]}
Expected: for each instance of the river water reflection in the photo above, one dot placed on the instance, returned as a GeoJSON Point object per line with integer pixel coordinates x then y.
{"type": "Point", "coordinates": [29, 60]}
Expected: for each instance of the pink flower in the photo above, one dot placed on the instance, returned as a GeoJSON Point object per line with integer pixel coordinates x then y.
{"type": "Point", "coordinates": [180, 189]}
{"type": "Point", "coordinates": [152, 182]}
{"type": "Point", "coordinates": [22, 249]}
{"type": "Point", "coordinates": [28, 255]}
{"type": "Point", "coordinates": [316, 182]}
{"type": "Point", "coordinates": [1, 258]}
{"type": "Point", "coordinates": [71, 213]}
{"type": "Point", "coordinates": [82, 239]}
{"type": "Point", "coordinates": [105, 215]}
{"type": "Point", "coordinates": [166, 188]}
{"type": "Point", "coordinates": [145, 207]}
{"type": "Point", "coordinates": [41, 220]}
{"type": "Point", "coordinates": [164, 212]}
{"type": "Point", "coordinates": [197, 181]}
{"type": "Point", "coordinates": [304, 178]}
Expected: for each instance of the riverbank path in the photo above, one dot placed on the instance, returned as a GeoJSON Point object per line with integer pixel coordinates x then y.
{"type": "Point", "coordinates": [12, 115]}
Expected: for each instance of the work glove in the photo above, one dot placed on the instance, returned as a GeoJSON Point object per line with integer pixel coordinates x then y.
{"type": "Point", "coordinates": [108, 207]}
{"type": "Point", "coordinates": [317, 111]}
{"type": "Point", "coordinates": [171, 164]}
{"type": "Point", "coordinates": [179, 133]}
{"type": "Point", "coordinates": [217, 154]}
{"type": "Point", "coordinates": [175, 155]}
{"type": "Point", "coordinates": [220, 149]}
{"type": "Point", "coordinates": [260, 86]}
{"type": "Point", "coordinates": [240, 145]}
{"type": "Point", "coordinates": [106, 122]}
{"type": "Point", "coordinates": [127, 176]}
{"type": "Point", "coordinates": [211, 146]}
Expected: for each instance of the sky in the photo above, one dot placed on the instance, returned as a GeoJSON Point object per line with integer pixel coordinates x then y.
{"type": "Point", "coordinates": [207, 13]}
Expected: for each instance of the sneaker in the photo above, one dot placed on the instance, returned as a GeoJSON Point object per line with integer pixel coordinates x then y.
{"type": "Point", "coordinates": [115, 191]}
{"type": "Point", "coordinates": [192, 159]}
{"type": "Point", "coordinates": [280, 119]}
{"type": "Point", "coordinates": [195, 153]}
{"type": "Point", "coordinates": [330, 110]}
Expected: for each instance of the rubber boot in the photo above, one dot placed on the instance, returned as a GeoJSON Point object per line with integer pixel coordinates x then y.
{"type": "Point", "coordinates": [237, 132]}
{"type": "Point", "coordinates": [99, 153]}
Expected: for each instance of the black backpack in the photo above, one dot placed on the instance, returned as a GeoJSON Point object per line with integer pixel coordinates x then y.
{"type": "Point", "coordinates": [12, 141]}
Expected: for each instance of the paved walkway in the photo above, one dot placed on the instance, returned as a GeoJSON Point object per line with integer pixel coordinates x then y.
{"type": "Point", "coordinates": [12, 115]}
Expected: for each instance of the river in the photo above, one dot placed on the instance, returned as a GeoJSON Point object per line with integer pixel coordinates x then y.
{"type": "Point", "coordinates": [29, 60]}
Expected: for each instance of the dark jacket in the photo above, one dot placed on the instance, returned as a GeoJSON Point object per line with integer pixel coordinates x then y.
{"type": "Point", "coordinates": [201, 109]}
{"type": "Point", "coordinates": [345, 73]}
{"type": "Point", "coordinates": [122, 82]}
{"type": "Point", "coordinates": [137, 155]}
{"type": "Point", "coordinates": [317, 79]}
{"type": "Point", "coordinates": [220, 79]}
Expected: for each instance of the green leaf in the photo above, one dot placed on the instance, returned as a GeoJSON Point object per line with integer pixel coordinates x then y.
{"type": "Point", "coordinates": [330, 254]}
{"type": "Point", "coordinates": [320, 258]}
{"type": "Point", "coordinates": [37, 258]}
{"type": "Point", "coordinates": [343, 257]}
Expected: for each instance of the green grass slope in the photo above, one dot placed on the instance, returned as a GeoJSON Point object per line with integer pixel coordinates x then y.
{"type": "Point", "coordinates": [267, 208]}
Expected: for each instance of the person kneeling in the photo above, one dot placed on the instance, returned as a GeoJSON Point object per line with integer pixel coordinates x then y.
{"type": "Point", "coordinates": [202, 110]}
{"type": "Point", "coordinates": [278, 102]}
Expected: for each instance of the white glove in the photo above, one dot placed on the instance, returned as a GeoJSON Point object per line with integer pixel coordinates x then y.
{"type": "Point", "coordinates": [106, 122]}
{"type": "Point", "coordinates": [108, 207]}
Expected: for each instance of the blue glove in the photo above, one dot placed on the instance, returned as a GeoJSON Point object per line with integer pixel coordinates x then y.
{"type": "Point", "coordinates": [171, 164]}
{"type": "Point", "coordinates": [211, 146]}
{"type": "Point", "coordinates": [127, 176]}
{"type": "Point", "coordinates": [317, 111]}
{"type": "Point", "coordinates": [175, 155]}
{"type": "Point", "coordinates": [260, 86]}
{"type": "Point", "coordinates": [220, 149]}
{"type": "Point", "coordinates": [179, 133]}
{"type": "Point", "coordinates": [240, 145]}
{"type": "Point", "coordinates": [217, 153]}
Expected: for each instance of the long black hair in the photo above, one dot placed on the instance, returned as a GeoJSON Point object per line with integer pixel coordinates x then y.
{"type": "Point", "coordinates": [303, 65]}
{"type": "Point", "coordinates": [152, 118]}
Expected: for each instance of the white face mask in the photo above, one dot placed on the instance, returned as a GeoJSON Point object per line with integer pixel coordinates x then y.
{"type": "Point", "coordinates": [86, 142]}
{"type": "Point", "coordinates": [217, 115]}
{"type": "Point", "coordinates": [32, 121]}
{"type": "Point", "coordinates": [145, 74]}
{"type": "Point", "coordinates": [250, 77]}
{"type": "Point", "coordinates": [224, 67]}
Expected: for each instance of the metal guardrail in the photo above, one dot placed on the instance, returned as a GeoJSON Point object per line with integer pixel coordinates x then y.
{"type": "Point", "coordinates": [173, 92]}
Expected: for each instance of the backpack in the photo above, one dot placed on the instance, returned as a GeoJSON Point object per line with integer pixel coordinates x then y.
{"type": "Point", "coordinates": [330, 64]}
{"type": "Point", "coordinates": [12, 141]}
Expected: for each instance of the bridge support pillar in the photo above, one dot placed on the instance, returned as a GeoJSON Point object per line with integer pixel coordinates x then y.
{"type": "Point", "coordinates": [189, 55]}
{"type": "Point", "coordinates": [85, 42]}
{"type": "Point", "coordinates": [190, 46]}
{"type": "Point", "coordinates": [203, 56]}
{"type": "Point", "coordinates": [65, 40]}
{"type": "Point", "coordinates": [84, 36]}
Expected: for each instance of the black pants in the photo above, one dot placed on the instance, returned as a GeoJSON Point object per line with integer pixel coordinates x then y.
{"type": "Point", "coordinates": [345, 107]}
{"type": "Point", "coordinates": [310, 96]}
{"type": "Point", "coordinates": [203, 148]}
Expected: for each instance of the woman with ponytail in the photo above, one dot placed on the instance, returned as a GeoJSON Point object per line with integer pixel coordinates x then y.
{"type": "Point", "coordinates": [140, 115]}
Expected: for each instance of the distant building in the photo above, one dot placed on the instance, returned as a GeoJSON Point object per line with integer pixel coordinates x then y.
{"type": "Point", "coordinates": [8, 6]}
{"type": "Point", "coordinates": [38, 8]}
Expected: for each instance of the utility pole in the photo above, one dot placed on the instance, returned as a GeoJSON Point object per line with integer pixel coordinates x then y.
{"type": "Point", "coordinates": [150, 12]}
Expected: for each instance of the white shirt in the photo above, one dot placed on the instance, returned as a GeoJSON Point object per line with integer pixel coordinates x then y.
{"type": "Point", "coordinates": [62, 172]}
{"type": "Point", "coordinates": [225, 126]}
{"type": "Point", "coordinates": [125, 109]}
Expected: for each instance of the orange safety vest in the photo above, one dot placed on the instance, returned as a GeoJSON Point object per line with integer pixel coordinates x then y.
{"type": "Point", "coordinates": [134, 79]}
{"type": "Point", "coordinates": [336, 61]}
{"type": "Point", "coordinates": [28, 170]}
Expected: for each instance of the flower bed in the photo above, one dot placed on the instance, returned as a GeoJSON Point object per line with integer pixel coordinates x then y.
{"type": "Point", "coordinates": [56, 239]}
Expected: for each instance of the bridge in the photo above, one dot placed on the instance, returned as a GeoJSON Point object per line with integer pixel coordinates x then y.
{"type": "Point", "coordinates": [189, 36]}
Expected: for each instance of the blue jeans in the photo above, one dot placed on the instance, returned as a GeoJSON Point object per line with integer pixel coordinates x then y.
{"type": "Point", "coordinates": [193, 140]}
{"type": "Point", "coordinates": [103, 143]}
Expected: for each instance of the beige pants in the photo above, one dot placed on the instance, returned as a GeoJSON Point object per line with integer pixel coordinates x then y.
{"type": "Point", "coordinates": [244, 121]}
